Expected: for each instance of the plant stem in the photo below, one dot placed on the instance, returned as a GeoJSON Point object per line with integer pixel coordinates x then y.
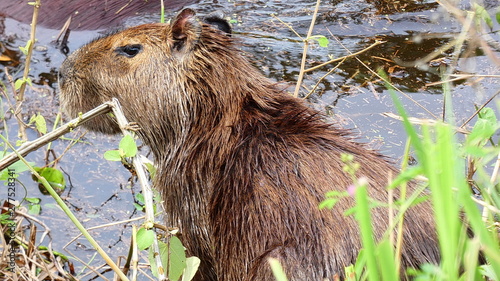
{"type": "Point", "coordinates": [20, 94]}
{"type": "Point", "coordinates": [304, 54]}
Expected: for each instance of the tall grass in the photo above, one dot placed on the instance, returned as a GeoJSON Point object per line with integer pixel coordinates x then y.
{"type": "Point", "coordinates": [466, 208]}
{"type": "Point", "coordinates": [441, 159]}
{"type": "Point", "coordinates": [442, 162]}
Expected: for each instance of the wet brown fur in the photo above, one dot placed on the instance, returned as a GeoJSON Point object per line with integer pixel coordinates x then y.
{"type": "Point", "coordinates": [242, 165]}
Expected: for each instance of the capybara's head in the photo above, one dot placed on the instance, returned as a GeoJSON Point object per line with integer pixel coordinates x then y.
{"type": "Point", "coordinates": [164, 75]}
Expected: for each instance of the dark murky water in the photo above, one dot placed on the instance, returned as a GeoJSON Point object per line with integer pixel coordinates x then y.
{"type": "Point", "coordinates": [99, 191]}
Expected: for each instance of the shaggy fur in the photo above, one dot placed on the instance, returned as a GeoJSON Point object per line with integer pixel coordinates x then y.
{"type": "Point", "coordinates": [242, 165]}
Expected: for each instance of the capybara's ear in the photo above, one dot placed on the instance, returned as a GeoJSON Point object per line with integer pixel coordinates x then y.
{"type": "Point", "coordinates": [185, 30]}
{"type": "Point", "coordinates": [216, 19]}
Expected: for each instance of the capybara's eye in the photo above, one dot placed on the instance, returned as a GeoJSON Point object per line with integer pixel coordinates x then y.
{"type": "Point", "coordinates": [129, 51]}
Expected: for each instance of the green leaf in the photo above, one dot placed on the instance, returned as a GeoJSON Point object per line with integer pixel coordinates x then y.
{"type": "Point", "coordinates": [151, 169]}
{"type": "Point", "coordinates": [363, 216]}
{"type": "Point", "coordinates": [350, 273]}
{"type": "Point", "coordinates": [483, 14]}
{"type": "Point", "coordinates": [25, 49]}
{"type": "Point", "coordinates": [192, 264]}
{"type": "Point", "coordinates": [127, 144]}
{"type": "Point", "coordinates": [53, 176]}
{"type": "Point", "coordinates": [112, 155]}
{"type": "Point", "coordinates": [322, 40]}
{"type": "Point", "coordinates": [164, 258]}
{"type": "Point", "coordinates": [139, 197]}
{"type": "Point", "coordinates": [476, 151]}
{"type": "Point", "coordinates": [33, 200]}
{"type": "Point", "coordinates": [145, 238]}
{"type": "Point", "coordinates": [33, 205]}
{"type": "Point", "coordinates": [332, 197]}
{"type": "Point", "coordinates": [405, 176]}
{"type": "Point", "coordinates": [5, 219]}
{"type": "Point", "coordinates": [138, 207]}
{"type": "Point", "coordinates": [359, 266]}
{"type": "Point", "coordinates": [177, 262]}
{"type": "Point", "coordinates": [19, 83]}
{"type": "Point", "coordinates": [487, 270]}
{"type": "Point", "coordinates": [386, 260]}
{"type": "Point", "coordinates": [486, 125]}
{"type": "Point", "coordinates": [40, 123]}
{"type": "Point", "coordinates": [328, 203]}
{"type": "Point", "coordinates": [34, 209]}
{"type": "Point", "coordinates": [488, 114]}
{"type": "Point", "coordinates": [15, 169]}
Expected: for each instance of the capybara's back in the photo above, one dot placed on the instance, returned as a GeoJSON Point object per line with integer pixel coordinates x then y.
{"type": "Point", "coordinates": [242, 165]}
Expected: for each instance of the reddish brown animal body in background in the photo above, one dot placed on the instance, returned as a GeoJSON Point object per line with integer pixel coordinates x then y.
{"type": "Point", "coordinates": [87, 14]}
{"type": "Point", "coordinates": [243, 165]}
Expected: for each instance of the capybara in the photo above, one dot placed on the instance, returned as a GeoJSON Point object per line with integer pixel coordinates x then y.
{"type": "Point", "coordinates": [242, 165]}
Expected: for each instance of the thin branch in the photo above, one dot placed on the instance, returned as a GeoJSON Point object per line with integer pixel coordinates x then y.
{"type": "Point", "coordinates": [323, 77]}
{"type": "Point", "coordinates": [459, 77]}
{"type": "Point", "coordinates": [288, 25]}
{"type": "Point", "coordinates": [420, 121]}
{"type": "Point", "coordinates": [304, 54]}
{"type": "Point", "coordinates": [345, 57]}
{"type": "Point", "coordinates": [41, 141]}
{"type": "Point", "coordinates": [480, 108]}
{"type": "Point", "coordinates": [20, 95]}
